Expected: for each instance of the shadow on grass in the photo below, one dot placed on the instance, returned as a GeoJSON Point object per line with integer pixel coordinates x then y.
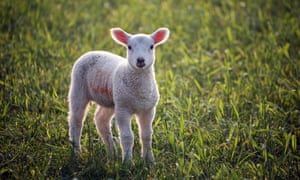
{"type": "Point", "coordinates": [99, 166]}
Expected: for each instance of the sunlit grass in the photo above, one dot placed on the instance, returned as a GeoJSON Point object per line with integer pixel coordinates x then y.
{"type": "Point", "coordinates": [228, 78]}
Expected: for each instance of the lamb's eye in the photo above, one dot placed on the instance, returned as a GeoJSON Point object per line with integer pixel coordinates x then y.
{"type": "Point", "coordinates": [129, 47]}
{"type": "Point", "coordinates": [151, 47]}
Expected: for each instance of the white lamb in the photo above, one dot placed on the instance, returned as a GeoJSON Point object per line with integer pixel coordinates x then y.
{"type": "Point", "coordinates": [119, 86]}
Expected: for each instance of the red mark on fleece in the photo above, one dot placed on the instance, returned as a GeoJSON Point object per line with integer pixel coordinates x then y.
{"type": "Point", "coordinates": [99, 89]}
{"type": "Point", "coordinates": [105, 90]}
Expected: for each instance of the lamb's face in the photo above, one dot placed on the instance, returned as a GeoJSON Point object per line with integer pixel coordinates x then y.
{"type": "Point", "coordinates": [140, 47]}
{"type": "Point", "coordinates": [140, 51]}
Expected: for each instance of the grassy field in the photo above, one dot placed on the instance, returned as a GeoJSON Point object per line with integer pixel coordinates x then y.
{"type": "Point", "coordinates": [229, 79]}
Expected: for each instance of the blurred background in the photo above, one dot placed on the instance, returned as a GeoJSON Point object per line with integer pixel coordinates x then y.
{"type": "Point", "coordinates": [228, 78]}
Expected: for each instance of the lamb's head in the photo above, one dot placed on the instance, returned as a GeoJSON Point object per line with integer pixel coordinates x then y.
{"type": "Point", "coordinates": [140, 47]}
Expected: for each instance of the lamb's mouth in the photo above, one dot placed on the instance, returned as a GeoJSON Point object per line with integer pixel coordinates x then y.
{"type": "Point", "coordinates": [140, 64]}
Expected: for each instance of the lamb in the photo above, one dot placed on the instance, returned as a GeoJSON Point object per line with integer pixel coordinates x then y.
{"type": "Point", "coordinates": [120, 87]}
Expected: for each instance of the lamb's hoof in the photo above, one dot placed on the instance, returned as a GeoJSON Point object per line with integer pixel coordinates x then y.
{"type": "Point", "coordinates": [149, 159]}
{"type": "Point", "coordinates": [150, 163]}
{"type": "Point", "coordinates": [112, 153]}
{"type": "Point", "coordinates": [127, 163]}
{"type": "Point", "coordinates": [112, 157]}
{"type": "Point", "coordinates": [75, 150]}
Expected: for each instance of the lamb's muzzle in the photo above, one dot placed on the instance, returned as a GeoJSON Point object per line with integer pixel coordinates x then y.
{"type": "Point", "coordinates": [140, 62]}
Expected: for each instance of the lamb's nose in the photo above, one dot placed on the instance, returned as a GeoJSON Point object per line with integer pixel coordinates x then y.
{"type": "Point", "coordinates": [140, 62]}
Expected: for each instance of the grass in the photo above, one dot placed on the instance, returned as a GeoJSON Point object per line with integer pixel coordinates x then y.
{"type": "Point", "coordinates": [229, 79]}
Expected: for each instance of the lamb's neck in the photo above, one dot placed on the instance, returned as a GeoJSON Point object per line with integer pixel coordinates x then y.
{"type": "Point", "coordinates": [133, 71]}
{"type": "Point", "coordinates": [136, 78]}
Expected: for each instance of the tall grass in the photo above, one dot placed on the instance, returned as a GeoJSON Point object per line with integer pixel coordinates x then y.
{"type": "Point", "coordinates": [229, 79]}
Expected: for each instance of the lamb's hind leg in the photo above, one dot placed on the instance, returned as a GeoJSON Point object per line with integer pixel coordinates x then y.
{"type": "Point", "coordinates": [77, 112]}
{"type": "Point", "coordinates": [145, 120]}
{"type": "Point", "coordinates": [102, 119]}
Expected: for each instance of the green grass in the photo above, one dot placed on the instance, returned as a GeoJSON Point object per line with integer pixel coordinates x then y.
{"type": "Point", "coordinates": [229, 79]}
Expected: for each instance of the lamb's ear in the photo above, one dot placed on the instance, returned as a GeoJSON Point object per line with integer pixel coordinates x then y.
{"type": "Point", "coordinates": [120, 36]}
{"type": "Point", "coordinates": [160, 36]}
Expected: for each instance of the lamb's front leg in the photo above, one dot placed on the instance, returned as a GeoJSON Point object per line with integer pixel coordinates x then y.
{"type": "Point", "coordinates": [145, 120]}
{"type": "Point", "coordinates": [123, 119]}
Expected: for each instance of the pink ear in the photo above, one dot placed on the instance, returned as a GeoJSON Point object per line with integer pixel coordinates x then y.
{"type": "Point", "coordinates": [160, 36]}
{"type": "Point", "coordinates": [120, 36]}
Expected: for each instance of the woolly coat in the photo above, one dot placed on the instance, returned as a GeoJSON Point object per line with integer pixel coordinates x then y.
{"type": "Point", "coordinates": [110, 81]}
